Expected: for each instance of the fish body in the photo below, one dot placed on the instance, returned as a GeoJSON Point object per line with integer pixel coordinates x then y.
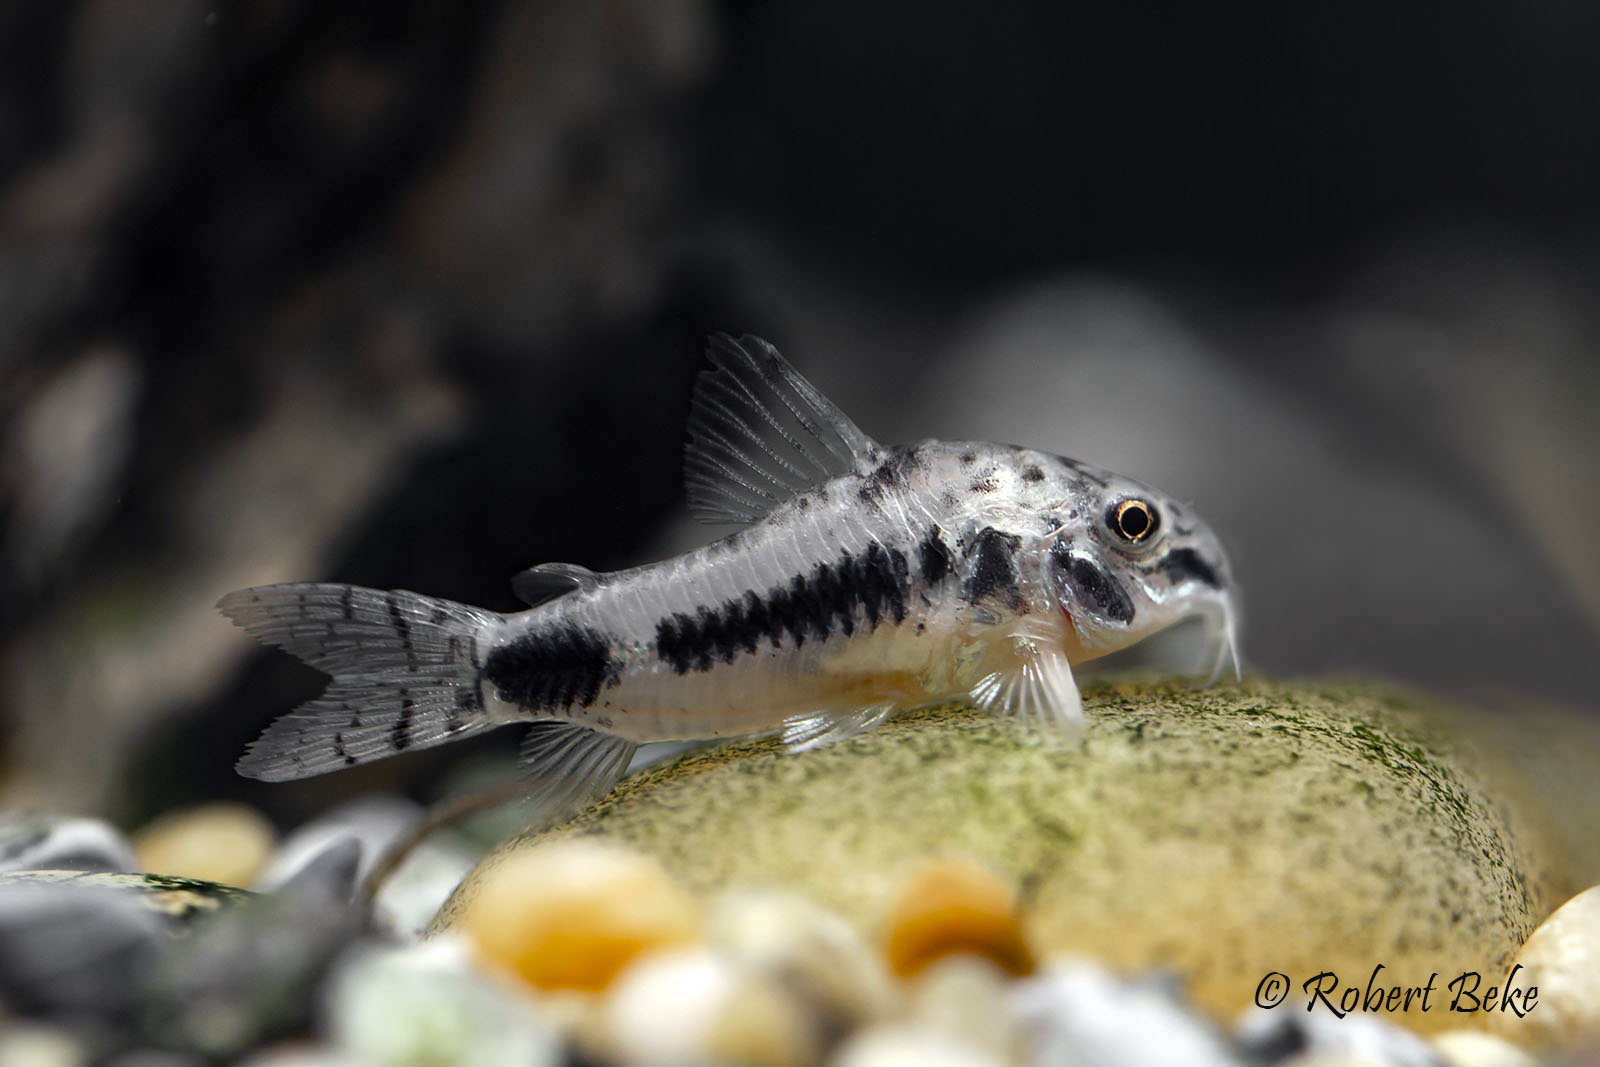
{"type": "Point", "coordinates": [868, 579]}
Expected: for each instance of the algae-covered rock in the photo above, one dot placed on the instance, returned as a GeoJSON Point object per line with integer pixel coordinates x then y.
{"type": "Point", "coordinates": [1224, 833]}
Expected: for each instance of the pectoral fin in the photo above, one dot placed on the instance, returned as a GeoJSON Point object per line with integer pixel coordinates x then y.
{"type": "Point", "coordinates": [1038, 688]}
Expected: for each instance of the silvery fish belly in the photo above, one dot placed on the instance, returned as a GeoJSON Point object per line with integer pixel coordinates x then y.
{"type": "Point", "coordinates": [866, 579]}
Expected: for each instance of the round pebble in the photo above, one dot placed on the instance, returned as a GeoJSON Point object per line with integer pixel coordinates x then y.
{"type": "Point", "coordinates": [692, 1006]}
{"type": "Point", "coordinates": [1471, 1048]}
{"type": "Point", "coordinates": [570, 914]}
{"type": "Point", "coordinates": [422, 1006]}
{"type": "Point", "coordinates": [908, 1045]}
{"type": "Point", "coordinates": [37, 1045]}
{"type": "Point", "coordinates": [37, 841]}
{"type": "Point", "coordinates": [813, 951]}
{"type": "Point", "coordinates": [967, 999]}
{"type": "Point", "coordinates": [1562, 958]}
{"type": "Point", "coordinates": [223, 842]}
{"type": "Point", "coordinates": [952, 904]}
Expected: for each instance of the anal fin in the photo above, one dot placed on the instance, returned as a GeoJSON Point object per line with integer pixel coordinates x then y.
{"type": "Point", "coordinates": [570, 766]}
{"type": "Point", "coordinates": [803, 732]}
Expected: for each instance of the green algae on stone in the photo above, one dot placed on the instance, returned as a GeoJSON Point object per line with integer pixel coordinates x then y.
{"type": "Point", "coordinates": [179, 899]}
{"type": "Point", "coordinates": [1223, 833]}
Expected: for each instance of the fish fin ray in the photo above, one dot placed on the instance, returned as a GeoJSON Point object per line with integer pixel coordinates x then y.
{"type": "Point", "coordinates": [759, 433]}
{"type": "Point", "coordinates": [544, 583]}
{"type": "Point", "coordinates": [570, 766]}
{"type": "Point", "coordinates": [818, 729]}
{"type": "Point", "coordinates": [1040, 690]}
{"type": "Point", "coordinates": [403, 667]}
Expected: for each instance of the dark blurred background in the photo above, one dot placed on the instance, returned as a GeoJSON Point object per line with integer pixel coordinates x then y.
{"type": "Point", "coordinates": [411, 294]}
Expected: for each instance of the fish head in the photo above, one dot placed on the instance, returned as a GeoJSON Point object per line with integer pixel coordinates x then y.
{"type": "Point", "coordinates": [1131, 561]}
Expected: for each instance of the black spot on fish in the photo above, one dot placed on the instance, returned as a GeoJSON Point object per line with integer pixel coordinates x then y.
{"type": "Point", "coordinates": [816, 605]}
{"type": "Point", "coordinates": [1095, 589]}
{"type": "Point", "coordinates": [1032, 473]}
{"type": "Point", "coordinates": [1078, 468]}
{"type": "Point", "coordinates": [402, 626]}
{"type": "Point", "coordinates": [889, 474]}
{"type": "Point", "coordinates": [400, 734]}
{"type": "Point", "coordinates": [557, 667]}
{"type": "Point", "coordinates": [986, 484]}
{"type": "Point", "coordinates": [1185, 563]}
{"type": "Point", "coordinates": [338, 749]}
{"type": "Point", "coordinates": [804, 503]}
{"type": "Point", "coordinates": [993, 571]}
{"type": "Point", "coordinates": [968, 458]}
{"type": "Point", "coordinates": [933, 557]}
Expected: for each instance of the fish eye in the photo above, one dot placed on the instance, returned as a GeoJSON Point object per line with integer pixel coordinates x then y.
{"type": "Point", "coordinates": [1134, 520]}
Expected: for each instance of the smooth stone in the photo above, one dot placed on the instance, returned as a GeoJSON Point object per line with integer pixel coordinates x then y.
{"type": "Point", "coordinates": [904, 1044]}
{"type": "Point", "coordinates": [424, 1005]}
{"type": "Point", "coordinates": [37, 1045]}
{"type": "Point", "coordinates": [1470, 1048]}
{"type": "Point", "coordinates": [571, 914]}
{"type": "Point", "coordinates": [1562, 960]}
{"type": "Point", "coordinates": [690, 1006]}
{"type": "Point", "coordinates": [1320, 1036]}
{"type": "Point", "coordinates": [221, 842]}
{"type": "Point", "coordinates": [952, 905]}
{"type": "Point", "coordinates": [181, 900]}
{"type": "Point", "coordinates": [810, 950]}
{"type": "Point", "coordinates": [1221, 833]}
{"type": "Point", "coordinates": [34, 841]}
{"type": "Point", "coordinates": [411, 893]}
{"type": "Point", "coordinates": [374, 822]}
{"type": "Point", "coordinates": [968, 999]}
{"type": "Point", "coordinates": [1076, 1011]}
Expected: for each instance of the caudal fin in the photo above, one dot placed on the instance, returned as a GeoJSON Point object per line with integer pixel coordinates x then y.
{"type": "Point", "coordinates": [405, 672]}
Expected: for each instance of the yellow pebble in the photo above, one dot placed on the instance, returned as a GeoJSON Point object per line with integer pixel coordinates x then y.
{"type": "Point", "coordinates": [570, 914]}
{"type": "Point", "coordinates": [954, 905]}
{"type": "Point", "coordinates": [222, 842]}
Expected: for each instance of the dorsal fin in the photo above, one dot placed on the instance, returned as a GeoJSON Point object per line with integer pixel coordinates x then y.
{"type": "Point", "coordinates": [536, 585]}
{"type": "Point", "coordinates": [759, 433]}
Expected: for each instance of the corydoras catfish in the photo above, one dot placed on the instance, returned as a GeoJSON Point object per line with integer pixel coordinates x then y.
{"type": "Point", "coordinates": [866, 579]}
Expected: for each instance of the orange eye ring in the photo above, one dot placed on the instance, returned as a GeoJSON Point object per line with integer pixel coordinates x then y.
{"type": "Point", "coordinates": [1133, 520]}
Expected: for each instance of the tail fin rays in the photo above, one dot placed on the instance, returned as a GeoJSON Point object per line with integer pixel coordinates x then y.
{"type": "Point", "coordinates": [405, 673]}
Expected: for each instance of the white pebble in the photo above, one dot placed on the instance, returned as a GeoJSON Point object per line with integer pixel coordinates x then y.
{"type": "Point", "coordinates": [37, 1045]}
{"type": "Point", "coordinates": [1562, 959]}
{"type": "Point", "coordinates": [1472, 1048]}
{"type": "Point", "coordinates": [814, 951]}
{"type": "Point", "coordinates": [422, 1006]}
{"type": "Point", "coordinates": [909, 1045]}
{"type": "Point", "coordinates": [1074, 1012]}
{"type": "Point", "coordinates": [966, 998]}
{"type": "Point", "coordinates": [691, 1006]}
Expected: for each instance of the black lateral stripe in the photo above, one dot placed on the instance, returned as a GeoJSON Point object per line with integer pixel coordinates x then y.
{"type": "Point", "coordinates": [555, 668]}
{"type": "Point", "coordinates": [816, 605]}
